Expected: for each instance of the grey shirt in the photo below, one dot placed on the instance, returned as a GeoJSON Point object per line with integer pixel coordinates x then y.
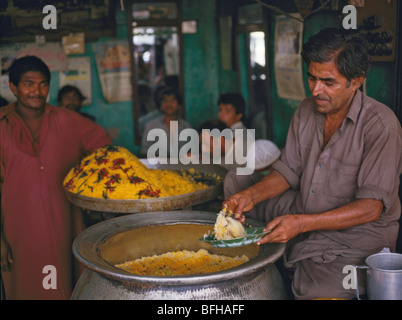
{"type": "Point", "coordinates": [361, 160]}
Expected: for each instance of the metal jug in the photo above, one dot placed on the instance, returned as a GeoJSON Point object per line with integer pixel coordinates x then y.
{"type": "Point", "coordinates": [384, 276]}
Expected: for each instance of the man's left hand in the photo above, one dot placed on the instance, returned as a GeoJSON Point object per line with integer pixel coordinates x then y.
{"type": "Point", "coordinates": [283, 229]}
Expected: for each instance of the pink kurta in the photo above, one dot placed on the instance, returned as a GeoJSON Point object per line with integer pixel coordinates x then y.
{"type": "Point", "coordinates": [37, 214]}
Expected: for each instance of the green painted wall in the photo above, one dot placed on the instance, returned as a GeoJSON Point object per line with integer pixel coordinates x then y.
{"type": "Point", "coordinates": [380, 82]}
{"type": "Point", "coordinates": [116, 118]}
{"type": "Point", "coordinates": [204, 79]}
{"type": "Point", "coordinates": [201, 62]}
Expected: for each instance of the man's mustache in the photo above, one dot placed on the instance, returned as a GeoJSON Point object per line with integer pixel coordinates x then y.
{"type": "Point", "coordinates": [320, 97]}
{"type": "Point", "coordinates": [36, 97]}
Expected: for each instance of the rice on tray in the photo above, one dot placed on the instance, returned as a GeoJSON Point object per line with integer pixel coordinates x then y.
{"type": "Point", "coordinates": [181, 263]}
{"type": "Point", "coordinates": [113, 172]}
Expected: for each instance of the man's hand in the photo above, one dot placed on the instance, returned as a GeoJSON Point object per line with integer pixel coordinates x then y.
{"type": "Point", "coordinates": [6, 256]}
{"type": "Point", "coordinates": [239, 203]}
{"type": "Point", "coordinates": [269, 187]}
{"type": "Point", "coordinates": [283, 229]}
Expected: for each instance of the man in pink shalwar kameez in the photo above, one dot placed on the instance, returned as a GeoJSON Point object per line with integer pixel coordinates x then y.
{"type": "Point", "coordinates": [39, 144]}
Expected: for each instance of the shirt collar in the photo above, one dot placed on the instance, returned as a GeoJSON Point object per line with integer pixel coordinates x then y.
{"type": "Point", "coordinates": [161, 119]}
{"type": "Point", "coordinates": [237, 125]}
{"type": "Point", "coordinates": [8, 110]}
{"type": "Point", "coordinates": [355, 106]}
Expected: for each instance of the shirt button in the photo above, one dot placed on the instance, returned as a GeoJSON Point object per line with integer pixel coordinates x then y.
{"type": "Point", "coordinates": [42, 167]}
{"type": "Point", "coordinates": [319, 165]}
{"type": "Point", "coordinates": [313, 191]}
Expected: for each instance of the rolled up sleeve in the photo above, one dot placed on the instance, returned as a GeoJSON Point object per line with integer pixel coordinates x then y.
{"type": "Point", "coordinates": [381, 166]}
{"type": "Point", "coordinates": [291, 177]}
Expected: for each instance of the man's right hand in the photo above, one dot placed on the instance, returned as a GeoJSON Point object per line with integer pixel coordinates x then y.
{"type": "Point", "coordinates": [239, 203]}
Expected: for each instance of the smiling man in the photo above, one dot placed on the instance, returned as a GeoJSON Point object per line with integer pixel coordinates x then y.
{"type": "Point", "coordinates": [333, 194]}
{"type": "Point", "coordinates": [39, 144]}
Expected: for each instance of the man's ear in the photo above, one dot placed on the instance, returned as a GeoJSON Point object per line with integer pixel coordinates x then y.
{"type": "Point", "coordinates": [356, 83]}
{"type": "Point", "coordinates": [13, 88]}
{"type": "Point", "coordinates": [239, 116]}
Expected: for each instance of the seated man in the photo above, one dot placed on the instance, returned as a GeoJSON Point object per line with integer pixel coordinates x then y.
{"type": "Point", "coordinates": [264, 153]}
{"type": "Point", "coordinates": [169, 102]}
{"type": "Point", "coordinates": [215, 142]}
{"type": "Point", "coordinates": [231, 109]}
{"type": "Point", "coordinates": [220, 145]}
{"type": "Point", "coordinates": [333, 194]}
{"type": "Point", "coordinates": [70, 97]}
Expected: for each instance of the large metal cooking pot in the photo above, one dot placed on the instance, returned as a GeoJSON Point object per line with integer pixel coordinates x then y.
{"type": "Point", "coordinates": [158, 204]}
{"type": "Point", "coordinates": [129, 237]}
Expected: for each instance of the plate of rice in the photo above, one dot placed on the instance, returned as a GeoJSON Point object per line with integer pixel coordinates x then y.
{"type": "Point", "coordinates": [112, 179]}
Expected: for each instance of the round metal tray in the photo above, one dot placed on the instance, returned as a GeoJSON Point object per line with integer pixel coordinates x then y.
{"type": "Point", "coordinates": [157, 204]}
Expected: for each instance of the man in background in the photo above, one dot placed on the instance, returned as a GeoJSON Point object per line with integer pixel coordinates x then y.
{"type": "Point", "coordinates": [70, 97]}
{"type": "Point", "coordinates": [169, 101]}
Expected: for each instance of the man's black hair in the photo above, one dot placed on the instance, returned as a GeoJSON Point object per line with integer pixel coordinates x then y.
{"type": "Point", "coordinates": [166, 91]}
{"type": "Point", "coordinates": [67, 89]}
{"type": "Point", "coordinates": [235, 99]}
{"type": "Point", "coordinates": [26, 64]}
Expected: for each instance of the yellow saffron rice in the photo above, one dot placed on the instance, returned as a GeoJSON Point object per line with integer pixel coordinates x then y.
{"type": "Point", "coordinates": [181, 263]}
{"type": "Point", "coordinates": [113, 172]}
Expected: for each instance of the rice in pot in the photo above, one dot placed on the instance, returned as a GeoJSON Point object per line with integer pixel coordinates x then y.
{"type": "Point", "coordinates": [181, 263]}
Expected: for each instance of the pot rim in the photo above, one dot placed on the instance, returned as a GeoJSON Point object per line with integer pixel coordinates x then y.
{"type": "Point", "coordinates": [377, 255]}
{"type": "Point", "coordinates": [86, 248]}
